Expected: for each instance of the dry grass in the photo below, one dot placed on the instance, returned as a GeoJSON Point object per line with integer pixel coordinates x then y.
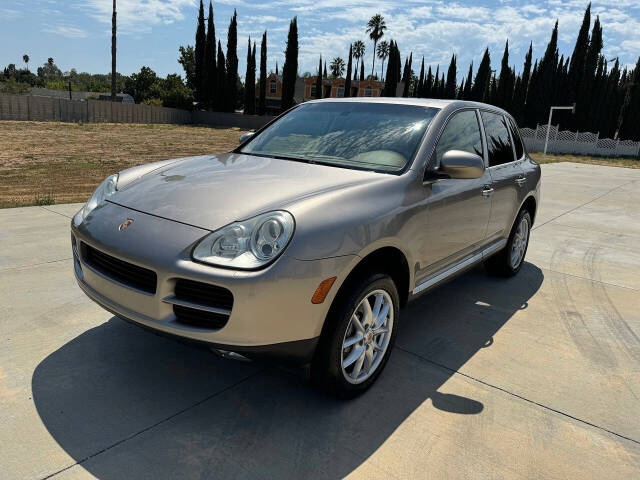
{"type": "Point", "coordinates": [45, 162]}
{"type": "Point", "coordinates": [609, 161]}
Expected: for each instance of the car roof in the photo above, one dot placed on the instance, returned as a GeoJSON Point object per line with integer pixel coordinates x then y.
{"type": "Point", "coordinates": [449, 105]}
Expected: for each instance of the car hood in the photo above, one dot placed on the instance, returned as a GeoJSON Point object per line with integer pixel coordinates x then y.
{"type": "Point", "coordinates": [214, 190]}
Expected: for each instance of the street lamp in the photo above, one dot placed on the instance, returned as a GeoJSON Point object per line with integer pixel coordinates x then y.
{"type": "Point", "coordinates": [546, 141]}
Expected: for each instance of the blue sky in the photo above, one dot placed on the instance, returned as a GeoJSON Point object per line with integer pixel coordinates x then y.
{"type": "Point", "coordinates": [76, 33]}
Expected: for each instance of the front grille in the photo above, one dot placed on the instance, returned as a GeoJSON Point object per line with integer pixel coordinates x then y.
{"type": "Point", "coordinates": [123, 272]}
{"type": "Point", "coordinates": [205, 295]}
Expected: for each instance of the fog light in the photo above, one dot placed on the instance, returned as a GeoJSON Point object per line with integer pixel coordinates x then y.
{"type": "Point", "coordinates": [322, 290]}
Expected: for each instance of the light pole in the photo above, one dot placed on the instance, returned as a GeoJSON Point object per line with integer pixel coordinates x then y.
{"type": "Point", "coordinates": [546, 141]}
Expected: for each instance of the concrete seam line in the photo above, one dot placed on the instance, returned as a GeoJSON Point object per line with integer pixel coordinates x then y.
{"type": "Point", "coordinates": [590, 279]}
{"type": "Point", "coordinates": [4, 269]}
{"type": "Point", "coordinates": [586, 203]}
{"type": "Point", "coordinates": [150, 427]}
{"type": "Point", "coordinates": [541, 405]}
{"type": "Point", "coordinates": [57, 213]}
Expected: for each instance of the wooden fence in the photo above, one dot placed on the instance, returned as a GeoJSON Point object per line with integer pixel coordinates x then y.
{"type": "Point", "coordinates": [44, 109]}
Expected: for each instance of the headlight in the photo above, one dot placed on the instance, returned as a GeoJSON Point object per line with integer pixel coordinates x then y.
{"type": "Point", "coordinates": [249, 244]}
{"type": "Point", "coordinates": [105, 190]}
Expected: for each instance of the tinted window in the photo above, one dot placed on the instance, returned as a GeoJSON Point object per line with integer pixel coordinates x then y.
{"type": "Point", "coordinates": [461, 133]}
{"type": "Point", "coordinates": [517, 140]}
{"type": "Point", "coordinates": [372, 136]}
{"type": "Point", "coordinates": [498, 141]}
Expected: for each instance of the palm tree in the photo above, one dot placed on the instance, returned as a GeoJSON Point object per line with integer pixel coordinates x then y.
{"type": "Point", "coordinates": [25, 59]}
{"type": "Point", "coordinates": [383, 53]}
{"type": "Point", "coordinates": [358, 53]}
{"type": "Point", "coordinates": [375, 29]}
{"type": "Point", "coordinates": [337, 67]}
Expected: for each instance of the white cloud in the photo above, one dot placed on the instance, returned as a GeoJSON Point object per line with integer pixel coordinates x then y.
{"type": "Point", "coordinates": [139, 16]}
{"type": "Point", "coordinates": [66, 31]}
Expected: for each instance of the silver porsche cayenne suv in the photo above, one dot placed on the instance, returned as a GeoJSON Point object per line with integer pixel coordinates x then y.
{"type": "Point", "coordinates": [303, 244]}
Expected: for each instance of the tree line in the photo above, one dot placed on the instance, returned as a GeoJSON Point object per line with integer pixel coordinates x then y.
{"type": "Point", "coordinates": [607, 96]}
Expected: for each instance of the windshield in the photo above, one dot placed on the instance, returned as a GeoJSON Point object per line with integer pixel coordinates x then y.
{"type": "Point", "coordinates": [372, 136]}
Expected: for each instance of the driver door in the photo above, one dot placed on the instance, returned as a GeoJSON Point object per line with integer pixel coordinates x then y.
{"type": "Point", "coordinates": [458, 210]}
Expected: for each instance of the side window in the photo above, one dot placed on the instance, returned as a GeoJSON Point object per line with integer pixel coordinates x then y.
{"type": "Point", "coordinates": [461, 133]}
{"type": "Point", "coordinates": [498, 141]}
{"type": "Point", "coordinates": [517, 140]}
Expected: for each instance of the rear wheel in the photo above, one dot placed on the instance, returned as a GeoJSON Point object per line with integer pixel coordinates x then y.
{"type": "Point", "coordinates": [358, 341]}
{"type": "Point", "coordinates": [508, 261]}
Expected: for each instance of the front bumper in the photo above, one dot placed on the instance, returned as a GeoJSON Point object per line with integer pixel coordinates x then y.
{"type": "Point", "coordinates": [272, 313]}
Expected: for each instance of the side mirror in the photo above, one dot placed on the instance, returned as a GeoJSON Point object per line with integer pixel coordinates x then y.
{"type": "Point", "coordinates": [459, 164]}
{"type": "Point", "coordinates": [246, 136]}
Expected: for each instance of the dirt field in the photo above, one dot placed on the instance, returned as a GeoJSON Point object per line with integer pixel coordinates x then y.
{"type": "Point", "coordinates": [46, 162]}
{"type": "Point", "coordinates": [43, 163]}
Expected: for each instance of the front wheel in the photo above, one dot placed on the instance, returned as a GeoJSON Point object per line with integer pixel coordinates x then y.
{"type": "Point", "coordinates": [358, 341]}
{"type": "Point", "coordinates": [508, 261]}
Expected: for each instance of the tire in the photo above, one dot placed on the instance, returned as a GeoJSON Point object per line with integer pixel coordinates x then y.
{"type": "Point", "coordinates": [501, 264]}
{"type": "Point", "coordinates": [327, 370]}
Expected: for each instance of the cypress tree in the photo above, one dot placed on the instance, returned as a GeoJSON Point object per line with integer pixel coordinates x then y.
{"type": "Point", "coordinates": [361, 69]}
{"type": "Point", "coordinates": [504, 81]}
{"type": "Point", "coordinates": [325, 75]}
{"type": "Point", "coordinates": [277, 69]}
{"type": "Point", "coordinates": [347, 80]}
{"type": "Point", "coordinates": [219, 100]}
{"type": "Point", "coordinates": [441, 87]}
{"type": "Point", "coordinates": [319, 79]}
{"type": "Point", "coordinates": [521, 86]}
{"type": "Point", "coordinates": [394, 67]}
{"type": "Point", "coordinates": [466, 94]}
{"type": "Point", "coordinates": [200, 49]}
{"type": "Point", "coordinates": [435, 89]}
{"type": "Point", "coordinates": [232, 64]}
{"type": "Point", "coordinates": [586, 93]}
{"type": "Point", "coordinates": [579, 56]}
{"type": "Point", "coordinates": [540, 94]}
{"type": "Point", "coordinates": [406, 77]}
{"type": "Point", "coordinates": [460, 90]}
{"type": "Point", "coordinates": [481, 81]}
{"type": "Point", "coordinates": [263, 75]}
{"type": "Point", "coordinates": [419, 92]}
{"type": "Point", "coordinates": [290, 69]}
{"type": "Point", "coordinates": [210, 60]}
{"type": "Point", "coordinates": [612, 101]}
{"type": "Point", "coordinates": [250, 81]}
{"type": "Point", "coordinates": [452, 73]}
{"type": "Point", "coordinates": [629, 119]}
{"type": "Point", "coordinates": [428, 85]}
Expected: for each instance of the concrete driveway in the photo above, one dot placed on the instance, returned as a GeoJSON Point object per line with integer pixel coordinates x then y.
{"type": "Point", "coordinates": [535, 376]}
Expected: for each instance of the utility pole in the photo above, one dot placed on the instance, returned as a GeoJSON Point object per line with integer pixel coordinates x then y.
{"type": "Point", "coordinates": [113, 54]}
{"type": "Point", "coordinates": [546, 141]}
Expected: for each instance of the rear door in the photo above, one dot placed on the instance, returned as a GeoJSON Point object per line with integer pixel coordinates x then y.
{"type": "Point", "coordinates": [506, 174]}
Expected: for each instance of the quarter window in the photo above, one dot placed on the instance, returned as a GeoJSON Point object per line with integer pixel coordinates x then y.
{"type": "Point", "coordinates": [517, 140]}
{"type": "Point", "coordinates": [461, 133]}
{"type": "Point", "coordinates": [498, 141]}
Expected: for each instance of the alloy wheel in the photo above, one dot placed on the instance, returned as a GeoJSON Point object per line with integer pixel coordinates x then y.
{"type": "Point", "coordinates": [367, 336]}
{"type": "Point", "coordinates": [519, 244]}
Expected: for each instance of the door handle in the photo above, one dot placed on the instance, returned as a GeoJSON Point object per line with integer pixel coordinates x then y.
{"type": "Point", "coordinates": [521, 180]}
{"type": "Point", "coordinates": [487, 191]}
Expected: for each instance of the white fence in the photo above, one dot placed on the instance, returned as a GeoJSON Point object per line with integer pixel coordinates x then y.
{"type": "Point", "coordinates": [578, 143]}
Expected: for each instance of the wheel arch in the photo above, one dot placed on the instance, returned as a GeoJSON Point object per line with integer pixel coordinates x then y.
{"type": "Point", "coordinates": [530, 205]}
